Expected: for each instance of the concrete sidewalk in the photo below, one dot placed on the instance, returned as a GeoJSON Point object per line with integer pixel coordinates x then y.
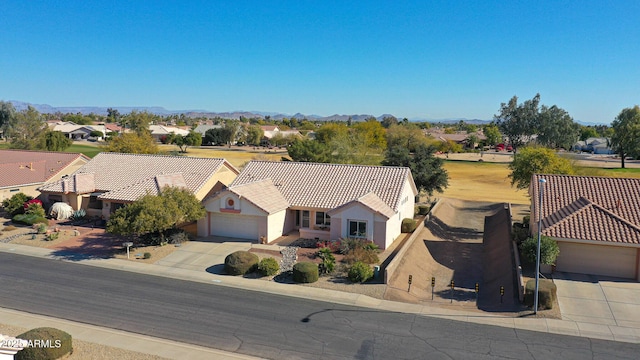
{"type": "Point", "coordinates": [554, 326]}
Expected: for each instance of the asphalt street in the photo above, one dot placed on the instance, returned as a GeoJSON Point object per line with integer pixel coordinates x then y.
{"type": "Point", "coordinates": [266, 325]}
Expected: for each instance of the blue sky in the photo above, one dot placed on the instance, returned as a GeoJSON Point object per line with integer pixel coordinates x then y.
{"type": "Point", "coordinates": [426, 59]}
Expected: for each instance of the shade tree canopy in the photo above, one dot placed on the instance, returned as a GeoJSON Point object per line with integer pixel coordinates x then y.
{"type": "Point", "coordinates": [626, 133]}
{"type": "Point", "coordinates": [536, 160]}
{"type": "Point", "coordinates": [428, 172]}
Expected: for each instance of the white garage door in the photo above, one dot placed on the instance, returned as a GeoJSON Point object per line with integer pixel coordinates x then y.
{"type": "Point", "coordinates": [597, 260]}
{"type": "Point", "coordinates": [235, 225]}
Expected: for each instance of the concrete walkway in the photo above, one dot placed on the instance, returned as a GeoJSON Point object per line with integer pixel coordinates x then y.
{"type": "Point", "coordinates": [574, 327]}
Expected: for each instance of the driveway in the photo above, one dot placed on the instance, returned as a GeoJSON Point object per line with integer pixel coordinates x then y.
{"type": "Point", "coordinates": [202, 255]}
{"type": "Point", "coordinates": [598, 300]}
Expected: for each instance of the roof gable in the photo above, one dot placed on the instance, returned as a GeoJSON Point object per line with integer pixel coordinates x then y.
{"type": "Point", "coordinates": [588, 207]}
{"type": "Point", "coordinates": [328, 186]}
{"type": "Point", "coordinates": [371, 201]}
{"type": "Point", "coordinates": [20, 167]}
{"type": "Point", "coordinates": [129, 176]}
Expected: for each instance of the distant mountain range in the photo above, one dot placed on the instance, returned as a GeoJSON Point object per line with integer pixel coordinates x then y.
{"type": "Point", "coordinates": [158, 110]}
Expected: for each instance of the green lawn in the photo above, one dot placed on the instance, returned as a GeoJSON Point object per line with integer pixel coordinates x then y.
{"type": "Point", "coordinates": [88, 150]}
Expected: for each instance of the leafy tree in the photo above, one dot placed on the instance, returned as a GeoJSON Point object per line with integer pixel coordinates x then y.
{"type": "Point", "coordinates": [556, 128]}
{"type": "Point", "coordinates": [518, 122]}
{"type": "Point", "coordinates": [96, 134]}
{"type": "Point", "coordinates": [113, 115]}
{"type": "Point", "coordinates": [184, 141]}
{"type": "Point", "coordinates": [56, 141]}
{"type": "Point", "coordinates": [138, 121]}
{"type": "Point", "coordinates": [427, 170]}
{"type": "Point", "coordinates": [329, 131]}
{"type": "Point", "coordinates": [626, 133]}
{"type": "Point", "coordinates": [254, 135]}
{"type": "Point", "coordinates": [7, 112]}
{"type": "Point", "coordinates": [388, 121]}
{"type": "Point", "coordinates": [132, 143]}
{"type": "Point", "coordinates": [493, 135]}
{"type": "Point", "coordinates": [156, 213]}
{"type": "Point", "coordinates": [77, 119]}
{"type": "Point", "coordinates": [549, 250]}
{"type": "Point", "coordinates": [26, 130]}
{"type": "Point", "coordinates": [372, 134]}
{"type": "Point", "coordinates": [232, 129]}
{"type": "Point", "coordinates": [409, 136]}
{"type": "Point", "coordinates": [216, 136]}
{"type": "Point", "coordinates": [449, 146]}
{"type": "Point", "coordinates": [306, 150]}
{"type": "Point", "coordinates": [587, 132]}
{"type": "Point", "coordinates": [536, 160]}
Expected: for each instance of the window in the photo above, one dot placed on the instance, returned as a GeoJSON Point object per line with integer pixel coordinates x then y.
{"type": "Point", "coordinates": [357, 228]}
{"type": "Point", "coordinates": [322, 218]}
{"type": "Point", "coordinates": [94, 203]}
{"type": "Point", "coordinates": [230, 203]}
{"type": "Point", "coordinates": [305, 218]}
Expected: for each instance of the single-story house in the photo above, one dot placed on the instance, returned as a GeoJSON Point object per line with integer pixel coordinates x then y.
{"type": "Point", "coordinates": [270, 130]}
{"type": "Point", "coordinates": [111, 180]}
{"type": "Point", "coordinates": [595, 220]}
{"type": "Point", "coordinates": [321, 201]}
{"type": "Point", "coordinates": [78, 132]}
{"type": "Point", "coordinates": [203, 128]}
{"type": "Point", "coordinates": [25, 170]}
{"type": "Point", "coordinates": [160, 131]}
{"type": "Point", "coordinates": [459, 137]}
{"type": "Point", "coordinates": [594, 145]}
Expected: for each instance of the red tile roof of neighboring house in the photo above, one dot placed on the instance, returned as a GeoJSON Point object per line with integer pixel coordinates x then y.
{"type": "Point", "coordinates": [588, 208]}
{"type": "Point", "coordinates": [330, 185]}
{"type": "Point", "coordinates": [21, 167]}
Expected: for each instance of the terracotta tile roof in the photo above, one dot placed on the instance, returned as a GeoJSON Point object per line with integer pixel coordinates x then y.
{"type": "Point", "coordinates": [263, 194]}
{"type": "Point", "coordinates": [20, 167]}
{"type": "Point", "coordinates": [588, 208]}
{"type": "Point", "coordinates": [328, 186]}
{"type": "Point", "coordinates": [370, 200]}
{"type": "Point", "coordinates": [126, 177]}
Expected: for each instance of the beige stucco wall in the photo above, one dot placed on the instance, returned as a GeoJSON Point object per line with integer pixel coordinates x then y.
{"type": "Point", "coordinates": [276, 225]}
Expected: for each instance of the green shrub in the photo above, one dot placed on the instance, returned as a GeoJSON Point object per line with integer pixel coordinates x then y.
{"type": "Point", "coordinates": [519, 233]}
{"type": "Point", "coordinates": [360, 272]}
{"type": "Point", "coordinates": [35, 209]}
{"type": "Point", "coordinates": [146, 255]}
{"type": "Point", "coordinates": [176, 236]}
{"type": "Point", "coordinates": [240, 263]}
{"type": "Point", "coordinates": [29, 219]}
{"type": "Point", "coordinates": [549, 250]}
{"type": "Point", "coordinates": [60, 344]}
{"type": "Point", "coordinates": [547, 293]}
{"type": "Point", "coordinates": [9, 228]}
{"type": "Point", "coordinates": [305, 272]}
{"type": "Point", "coordinates": [423, 209]}
{"type": "Point", "coordinates": [408, 225]}
{"type": "Point", "coordinates": [328, 263]}
{"type": "Point", "coordinates": [15, 204]}
{"type": "Point", "coordinates": [268, 266]}
{"type": "Point", "coordinates": [52, 236]}
{"type": "Point", "coordinates": [525, 221]}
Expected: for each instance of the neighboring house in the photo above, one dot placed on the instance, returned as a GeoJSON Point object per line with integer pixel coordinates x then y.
{"type": "Point", "coordinates": [459, 137]}
{"type": "Point", "coordinates": [78, 132]}
{"type": "Point", "coordinates": [24, 170]}
{"type": "Point", "coordinates": [595, 220]}
{"type": "Point", "coordinates": [111, 180]}
{"type": "Point", "coordinates": [323, 201]}
{"type": "Point", "coordinates": [112, 127]}
{"type": "Point", "coordinates": [594, 145]}
{"type": "Point", "coordinates": [270, 130]}
{"type": "Point", "coordinates": [160, 131]}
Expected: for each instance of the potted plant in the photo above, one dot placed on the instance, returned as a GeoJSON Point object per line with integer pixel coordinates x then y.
{"type": "Point", "coordinates": [549, 251]}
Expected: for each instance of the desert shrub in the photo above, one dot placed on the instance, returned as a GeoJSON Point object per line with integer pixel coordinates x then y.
{"type": "Point", "coordinates": [32, 201]}
{"type": "Point", "coordinates": [423, 209]}
{"type": "Point", "coordinates": [79, 214]}
{"type": "Point", "coordinates": [547, 293]}
{"type": "Point", "coordinates": [268, 266]}
{"type": "Point", "coordinates": [240, 263]}
{"type": "Point", "coordinates": [35, 209]}
{"type": "Point", "coordinates": [360, 272]}
{"type": "Point", "coordinates": [52, 236]}
{"type": "Point", "coordinates": [349, 244]}
{"type": "Point", "coordinates": [15, 204]}
{"type": "Point", "coordinates": [60, 344]}
{"type": "Point", "coordinates": [41, 228]}
{"type": "Point", "coordinates": [408, 225]}
{"type": "Point", "coordinates": [146, 255]}
{"type": "Point", "coordinates": [334, 246]}
{"type": "Point", "coordinates": [328, 263]}
{"type": "Point", "coordinates": [176, 236]}
{"type": "Point", "coordinates": [549, 250]}
{"type": "Point", "coordinates": [367, 255]}
{"type": "Point", "coordinates": [29, 219]}
{"type": "Point", "coordinates": [305, 272]}
{"type": "Point", "coordinates": [9, 228]}
{"type": "Point", "coordinates": [525, 221]}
